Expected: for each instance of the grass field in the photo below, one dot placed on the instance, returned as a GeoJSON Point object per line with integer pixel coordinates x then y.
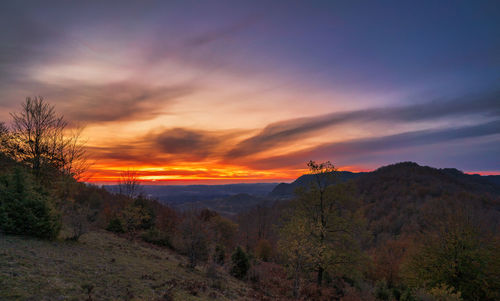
{"type": "Point", "coordinates": [103, 266]}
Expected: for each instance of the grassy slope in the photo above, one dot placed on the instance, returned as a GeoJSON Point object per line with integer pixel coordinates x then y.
{"type": "Point", "coordinates": [118, 269]}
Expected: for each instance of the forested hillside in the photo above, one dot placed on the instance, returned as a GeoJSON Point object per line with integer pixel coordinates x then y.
{"type": "Point", "coordinates": [449, 220]}
{"type": "Point", "coordinates": [399, 199]}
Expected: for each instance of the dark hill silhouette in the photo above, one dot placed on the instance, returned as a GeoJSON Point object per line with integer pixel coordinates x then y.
{"type": "Point", "coordinates": [286, 190]}
{"type": "Point", "coordinates": [400, 198]}
{"type": "Point", "coordinates": [493, 179]}
{"type": "Point", "coordinates": [454, 179]}
{"type": "Point", "coordinates": [434, 181]}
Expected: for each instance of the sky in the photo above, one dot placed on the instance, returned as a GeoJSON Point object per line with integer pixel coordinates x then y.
{"type": "Point", "coordinates": [250, 91]}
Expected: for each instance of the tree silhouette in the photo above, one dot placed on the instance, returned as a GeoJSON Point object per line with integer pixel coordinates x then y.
{"type": "Point", "coordinates": [42, 141]}
{"type": "Point", "coordinates": [129, 184]}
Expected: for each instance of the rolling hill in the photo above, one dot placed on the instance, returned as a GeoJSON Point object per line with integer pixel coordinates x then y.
{"type": "Point", "coordinates": [105, 267]}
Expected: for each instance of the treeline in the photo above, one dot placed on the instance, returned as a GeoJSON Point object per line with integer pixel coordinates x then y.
{"type": "Point", "coordinates": [403, 232]}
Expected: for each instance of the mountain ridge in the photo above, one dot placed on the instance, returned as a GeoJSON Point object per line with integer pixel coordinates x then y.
{"type": "Point", "coordinates": [488, 183]}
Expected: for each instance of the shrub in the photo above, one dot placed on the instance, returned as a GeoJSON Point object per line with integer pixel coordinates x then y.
{"type": "Point", "coordinates": [445, 293]}
{"type": "Point", "coordinates": [135, 218]}
{"type": "Point", "coordinates": [115, 225]}
{"type": "Point", "coordinates": [78, 219]}
{"type": "Point", "coordinates": [154, 236]}
{"type": "Point", "coordinates": [241, 264]}
{"type": "Point", "coordinates": [26, 211]}
{"type": "Point", "coordinates": [382, 292]}
{"type": "Point", "coordinates": [407, 295]}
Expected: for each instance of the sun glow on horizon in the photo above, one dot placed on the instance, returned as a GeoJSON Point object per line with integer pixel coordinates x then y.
{"type": "Point", "coordinates": [247, 92]}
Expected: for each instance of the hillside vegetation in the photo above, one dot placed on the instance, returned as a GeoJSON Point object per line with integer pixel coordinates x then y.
{"type": "Point", "coordinates": [402, 199]}
{"type": "Point", "coordinates": [102, 266]}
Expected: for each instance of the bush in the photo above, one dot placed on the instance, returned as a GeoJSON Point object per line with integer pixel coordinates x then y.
{"type": "Point", "coordinates": [241, 264]}
{"type": "Point", "coordinates": [154, 236]}
{"type": "Point", "coordinates": [135, 218]}
{"type": "Point", "coordinates": [115, 225]}
{"type": "Point", "coordinates": [445, 293]}
{"type": "Point", "coordinates": [26, 211]}
{"type": "Point", "coordinates": [382, 292]}
{"type": "Point", "coordinates": [78, 218]}
{"type": "Point", "coordinates": [407, 295]}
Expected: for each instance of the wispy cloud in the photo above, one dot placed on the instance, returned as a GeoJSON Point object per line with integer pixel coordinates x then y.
{"type": "Point", "coordinates": [354, 150]}
{"type": "Point", "coordinates": [169, 145]}
{"type": "Point", "coordinates": [192, 144]}
{"type": "Point", "coordinates": [228, 31]}
{"type": "Point", "coordinates": [162, 83]}
{"type": "Point", "coordinates": [123, 101]}
{"type": "Point", "coordinates": [25, 42]}
{"type": "Point", "coordinates": [289, 131]}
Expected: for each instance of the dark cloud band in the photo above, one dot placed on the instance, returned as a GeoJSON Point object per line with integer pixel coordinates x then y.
{"type": "Point", "coordinates": [289, 131]}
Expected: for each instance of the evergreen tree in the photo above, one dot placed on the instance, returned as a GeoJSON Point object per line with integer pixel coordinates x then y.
{"type": "Point", "coordinates": [115, 225]}
{"type": "Point", "coordinates": [241, 263]}
{"type": "Point", "coordinates": [24, 210]}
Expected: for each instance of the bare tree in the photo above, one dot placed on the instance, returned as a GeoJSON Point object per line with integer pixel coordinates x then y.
{"type": "Point", "coordinates": [194, 238]}
{"type": "Point", "coordinates": [129, 184]}
{"type": "Point", "coordinates": [77, 219]}
{"type": "Point", "coordinates": [42, 139]}
{"type": "Point", "coordinates": [37, 129]}
{"type": "Point", "coordinates": [5, 139]}
{"type": "Point", "coordinates": [73, 156]}
{"type": "Point", "coordinates": [263, 222]}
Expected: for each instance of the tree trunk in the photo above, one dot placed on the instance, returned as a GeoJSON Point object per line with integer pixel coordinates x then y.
{"type": "Point", "coordinates": [320, 276]}
{"type": "Point", "coordinates": [296, 286]}
{"type": "Point", "coordinates": [296, 280]}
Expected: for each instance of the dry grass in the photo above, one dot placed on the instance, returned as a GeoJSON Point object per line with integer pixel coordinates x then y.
{"type": "Point", "coordinates": [112, 267]}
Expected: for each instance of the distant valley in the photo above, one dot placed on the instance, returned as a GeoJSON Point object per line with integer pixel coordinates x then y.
{"type": "Point", "coordinates": [232, 199]}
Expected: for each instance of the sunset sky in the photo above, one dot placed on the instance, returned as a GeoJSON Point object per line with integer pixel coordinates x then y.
{"type": "Point", "coordinates": [249, 91]}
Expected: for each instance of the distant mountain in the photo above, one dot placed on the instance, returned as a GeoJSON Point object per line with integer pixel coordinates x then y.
{"type": "Point", "coordinates": [285, 190]}
{"type": "Point", "coordinates": [400, 198]}
{"type": "Point", "coordinates": [493, 179]}
{"type": "Point", "coordinates": [476, 183]}
{"type": "Point", "coordinates": [435, 181]}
